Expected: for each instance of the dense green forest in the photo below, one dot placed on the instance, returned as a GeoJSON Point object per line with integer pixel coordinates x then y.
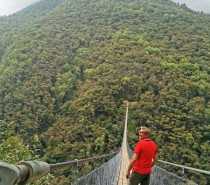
{"type": "Point", "coordinates": [68, 66]}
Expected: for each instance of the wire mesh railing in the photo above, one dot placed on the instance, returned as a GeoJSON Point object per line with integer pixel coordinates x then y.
{"type": "Point", "coordinates": [130, 152]}
{"type": "Point", "coordinates": [160, 176]}
{"type": "Point", "coordinates": [104, 175]}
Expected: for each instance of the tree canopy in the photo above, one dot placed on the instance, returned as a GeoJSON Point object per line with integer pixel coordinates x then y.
{"type": "Point", "coordinates": [67, 66]}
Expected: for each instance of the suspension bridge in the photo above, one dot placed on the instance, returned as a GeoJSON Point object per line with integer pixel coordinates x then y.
{"type": "Point", "coordinates": [113, 172]}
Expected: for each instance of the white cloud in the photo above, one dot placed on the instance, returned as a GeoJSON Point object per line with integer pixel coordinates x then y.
{"type": "Point", "coordinates": [11, 6]}
{"type": "Point", "coordinates": [197, 5]}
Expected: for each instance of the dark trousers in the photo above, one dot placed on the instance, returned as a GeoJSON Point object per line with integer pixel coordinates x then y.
{"type": "Point", "coordinates": [137, 178]}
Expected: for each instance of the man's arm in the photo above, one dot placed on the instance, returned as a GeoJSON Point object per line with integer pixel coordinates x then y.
{"type": "Point", "coordinates": [130, 166]}
{"type": "Point", "coordinates": [154, 159]}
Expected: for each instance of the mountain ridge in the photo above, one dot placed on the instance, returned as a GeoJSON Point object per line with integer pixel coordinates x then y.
{"type": "Point", "coordinates": [73, 67]}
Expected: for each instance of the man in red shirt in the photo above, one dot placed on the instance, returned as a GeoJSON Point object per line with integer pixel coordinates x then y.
{"type": "Point", "coordinates": [144, 158]}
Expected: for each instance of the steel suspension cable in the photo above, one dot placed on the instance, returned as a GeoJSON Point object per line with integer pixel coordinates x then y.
{"type": "Point", "coordinates": [75, 161]}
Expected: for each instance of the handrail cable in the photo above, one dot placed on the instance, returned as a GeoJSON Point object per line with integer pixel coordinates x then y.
{"type": "Point", "coordinates": [76, 161]}
{"type": "Point", "coordinates": [185, 167]}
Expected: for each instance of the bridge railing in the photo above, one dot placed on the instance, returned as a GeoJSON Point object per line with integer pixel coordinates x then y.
{"type": "Point", "coordinates": [77, 162]}
{"type": "Point", "coordinates": [130, 152]}
{"type": "Point", "coordinates": [185, 167]}
{"type": "Point", "coordinates": [29, 171]}
{"type": "Point", "coordinates": [160, 176]}
{"type": "Point", "coordinates": [105, 174]}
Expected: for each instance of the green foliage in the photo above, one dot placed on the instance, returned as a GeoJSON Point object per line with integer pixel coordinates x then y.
{"type": "Point", "coordinates": [152, 50]}
{"type": "Point", "coordinates": [13, 149]}
{"type": "Point", "coordinates": [66, 68]}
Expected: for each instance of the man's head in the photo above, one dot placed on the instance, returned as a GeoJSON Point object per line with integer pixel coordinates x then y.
{"type": "Point", "coordinates": [144, 133]}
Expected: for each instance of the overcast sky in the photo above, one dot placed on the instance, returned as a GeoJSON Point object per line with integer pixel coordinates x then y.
{"type": "Point", "coordinates": [11, 6]}
{"type": "Point", "coordinates": [197, 5]}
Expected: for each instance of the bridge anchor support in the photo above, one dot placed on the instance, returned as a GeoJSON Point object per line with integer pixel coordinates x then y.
{"type": "Point", "coordinates": [23, 172]}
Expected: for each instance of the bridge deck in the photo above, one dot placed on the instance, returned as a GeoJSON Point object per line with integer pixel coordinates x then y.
{"type": "Point", "coordinates": [125, 159]}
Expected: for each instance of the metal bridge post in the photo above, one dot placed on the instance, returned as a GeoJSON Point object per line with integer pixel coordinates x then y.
{"type": "Point", "coordinates": [94, 163]}
{"type": "Point", "coordinates": [76, 171]}
{"type": "Point", "coordinates": [182, 171]}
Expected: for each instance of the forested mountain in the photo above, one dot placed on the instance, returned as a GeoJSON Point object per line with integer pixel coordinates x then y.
{"type": "Point", "coordinates": [68, 66]}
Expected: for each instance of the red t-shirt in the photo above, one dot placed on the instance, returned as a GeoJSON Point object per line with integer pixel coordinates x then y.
{"type": "Point", "coordinates": [146, 150]}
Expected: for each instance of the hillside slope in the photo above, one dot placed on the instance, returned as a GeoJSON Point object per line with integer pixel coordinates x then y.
{"type": "Point", "coordinates": [66, 74]}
